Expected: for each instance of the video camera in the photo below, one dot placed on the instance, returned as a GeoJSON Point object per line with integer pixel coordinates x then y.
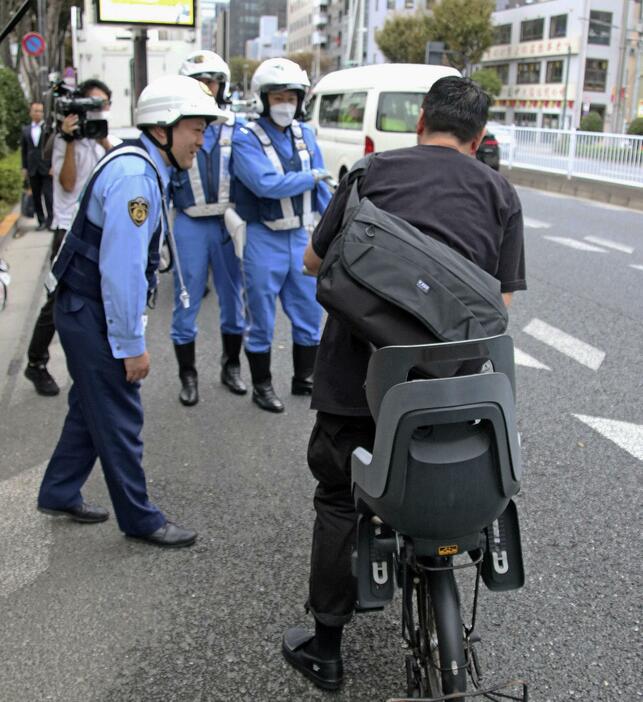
{"type": "Point", "coordinates": [66, 100]}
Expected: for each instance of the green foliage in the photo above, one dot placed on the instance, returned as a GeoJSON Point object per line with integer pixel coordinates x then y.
{"type": "Point", "coordinates": [403, 38]}
{"type": "Point", "coordinates": [636, 127]}
{"type": "Point", "coordinates": [16, 111]}
{"type": "Point", "coordinates": [489, 80]}
{"type": "Point", "coordinates": [10, 181]}
{"type": "Point", "coordinates": [236, 64]}
{"type": "Point", "coordinates": [465, 27]}
{"type": "Point", "coordinates": [591, 122]}
{"type": "Point", "coordinates": [3, 125]}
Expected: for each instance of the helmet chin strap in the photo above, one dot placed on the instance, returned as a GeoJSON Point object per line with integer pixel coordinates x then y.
{"type": "Point", "coordinates": [167, 147]}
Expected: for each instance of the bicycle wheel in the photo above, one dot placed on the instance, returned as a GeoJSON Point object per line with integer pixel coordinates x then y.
{"type": "Point", "coordinates": [441, 633]}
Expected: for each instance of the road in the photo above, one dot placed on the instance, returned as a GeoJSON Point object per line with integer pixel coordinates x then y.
{"type": "Point", "coordinates": [89, 615]}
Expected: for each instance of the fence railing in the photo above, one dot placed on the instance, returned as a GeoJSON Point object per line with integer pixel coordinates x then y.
{"type": "Point", "coordinates": [615, 158]}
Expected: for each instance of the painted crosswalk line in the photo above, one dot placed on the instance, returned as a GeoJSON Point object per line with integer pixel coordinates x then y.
{"type": "Point", "coordinates": [524, 359]}
{"type": "Point", "coordinates": [608, 244]}
{"type": "Point", "coordinates": [535, 223]}
{"type": "Point", "coordinates": [24, 553]}
{"type": "Point", "coordinates": [574, 244]}
{"type": "Point", "coordinates": [566, 343]}
{"type": "Point", "coordinates": [624, 434]}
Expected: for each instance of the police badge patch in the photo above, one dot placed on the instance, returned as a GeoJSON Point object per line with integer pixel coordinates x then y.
{"type": "Point", "coordinates": [138, 209]}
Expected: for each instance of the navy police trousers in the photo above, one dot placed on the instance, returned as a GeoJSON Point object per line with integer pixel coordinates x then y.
{"type": "Point", "coordinates": [105, 420]}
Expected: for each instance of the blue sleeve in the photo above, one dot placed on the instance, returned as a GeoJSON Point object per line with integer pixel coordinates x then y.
{"type": "Point", "coordinates": [256, 172]}
{"type": "Point", "coordinates": [323, 192]}
{"type": "Point", "coordinates": [123, 260]}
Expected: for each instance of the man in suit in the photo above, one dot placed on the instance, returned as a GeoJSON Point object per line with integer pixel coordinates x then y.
{"type": "Point", "coordinates": [36, 166]}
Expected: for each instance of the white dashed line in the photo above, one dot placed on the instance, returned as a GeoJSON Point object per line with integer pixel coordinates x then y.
{"type": "Point", "coordinates": [535, 223]}
{"type": "Point", "coordinates": [609, 244]}
{"type": "Point", "coordinates": [636, 266]}
{"type": "Point", "coordinates": [624, 434]}
{"type": "Point", "coordinates": [524, 359]}
{"type": "Point", "coordinates": [565, 343]}
{"type": "Point", "coordinates": [573, 244]}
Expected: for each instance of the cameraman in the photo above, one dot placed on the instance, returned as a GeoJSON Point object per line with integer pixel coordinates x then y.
{"type": "Point", "coordinates": [73, 160]}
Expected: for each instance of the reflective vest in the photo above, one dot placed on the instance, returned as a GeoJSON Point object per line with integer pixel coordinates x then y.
{"type": "Point", "coordinates": [194, 191]}
{"type": "Point", "coordinates": [77, 262]}
{"type": "Point", "coordinates": [289, 212]}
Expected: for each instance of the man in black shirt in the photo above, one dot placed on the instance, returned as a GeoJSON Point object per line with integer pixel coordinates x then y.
{"type": "Point", "coordinates": [439, 187]}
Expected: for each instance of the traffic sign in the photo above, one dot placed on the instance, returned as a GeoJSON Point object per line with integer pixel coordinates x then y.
{"type": "Point", "coordinates": [33, 44]}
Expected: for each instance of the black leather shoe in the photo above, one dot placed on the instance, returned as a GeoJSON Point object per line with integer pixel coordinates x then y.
{"type": "Point", "coordinates": [42, 380]}
{"type": "Point", "coordinates": [84, 513]}
{"type": "Point", "coordinates": [42, 226]}
{"type": "Point", "coordinates": [264, 395]}
{"type": "Point", "coordinates": [169, 535]}
{"type": "Point", "coordinates": [231, 378]}
{"type": "Point", "coordinates": [302, 386]}
{"type": "Point", "coordinates": [326, 673]}
{"type": "Point", "coordinates": [189, 394]}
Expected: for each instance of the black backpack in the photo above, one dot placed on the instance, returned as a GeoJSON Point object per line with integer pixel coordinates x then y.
{"type": "Point", "coordinates": [395, 286]}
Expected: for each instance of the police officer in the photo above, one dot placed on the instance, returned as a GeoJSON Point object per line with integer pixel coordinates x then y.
{"type": "Point", "coordinates": [201, 195]}
{"type": "Point", "coordinates": [104, 273]}
{"type": "Point", "coordinates": [281, 174]}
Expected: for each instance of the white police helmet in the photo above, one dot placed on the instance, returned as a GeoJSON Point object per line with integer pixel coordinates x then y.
{"type": "Point", "coordinates": [274, 75]}
{"type": "Point", "coordinates": [167, 100]}
{"type": "Point", "coordinates": [208, 65]}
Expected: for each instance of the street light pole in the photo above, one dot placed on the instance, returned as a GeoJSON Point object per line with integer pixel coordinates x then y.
{"type": "Point", "coordinates": [569, 60]}
{"type": "Point", "coordinates": [41, 9]}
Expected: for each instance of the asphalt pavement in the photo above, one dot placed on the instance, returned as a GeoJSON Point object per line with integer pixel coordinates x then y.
{"type": "Point", "coordinates": [88, 615]}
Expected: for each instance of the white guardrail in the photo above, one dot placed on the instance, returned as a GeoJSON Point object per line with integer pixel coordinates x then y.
{"type": "Point", "coordinates": [614, 158]}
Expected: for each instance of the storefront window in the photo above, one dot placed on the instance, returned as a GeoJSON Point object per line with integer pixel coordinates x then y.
{"type": "Point", "coordinates": [528, 73]}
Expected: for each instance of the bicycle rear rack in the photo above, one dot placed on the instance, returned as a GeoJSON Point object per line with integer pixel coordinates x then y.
{"type": "Point", "coordinates": [493, 693]}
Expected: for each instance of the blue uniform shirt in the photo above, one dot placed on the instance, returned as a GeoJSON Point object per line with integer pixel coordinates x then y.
{"type": "Point", "coordinates": [124, 243]}
{"type": "Point", "coordinates": [255, 170]}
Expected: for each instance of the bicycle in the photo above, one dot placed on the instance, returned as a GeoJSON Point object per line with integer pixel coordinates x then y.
{"type": "Point", "coordinates": [5, 279]}
{"type": "Point", "coordinates": [437, 487]}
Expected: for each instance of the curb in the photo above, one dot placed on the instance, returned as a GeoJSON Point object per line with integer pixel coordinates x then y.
{"type": "Point", "coordinates": [9, 225]}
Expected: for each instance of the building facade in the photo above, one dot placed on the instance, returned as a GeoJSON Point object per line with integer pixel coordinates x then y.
{"type": "Point", "coordinates": [244, 17]}
{"type": "Point", "coordinates": [271, 42]}
{"type": "Point", "coordinates": [560, 59]}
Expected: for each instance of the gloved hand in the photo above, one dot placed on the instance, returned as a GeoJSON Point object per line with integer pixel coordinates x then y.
{"type": "Point", "coordinates": [321, 174]}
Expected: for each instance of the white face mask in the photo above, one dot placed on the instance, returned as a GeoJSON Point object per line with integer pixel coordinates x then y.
{"type": "Point", "coordinates": [283, 114]}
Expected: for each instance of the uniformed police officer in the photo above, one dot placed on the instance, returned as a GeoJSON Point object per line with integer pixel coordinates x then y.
{"type": "Point", "coordinates": [104, 273]}
{"type": "Point", "coordinates": [201, 195]}
{"type": "Point", "coordinates": [281, 174]}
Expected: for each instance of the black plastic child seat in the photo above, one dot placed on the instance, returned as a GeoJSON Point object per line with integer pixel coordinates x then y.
{"type": "Point", "coordinates": [446, 458]}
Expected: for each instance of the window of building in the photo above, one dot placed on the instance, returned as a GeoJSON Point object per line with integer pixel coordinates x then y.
{"type": "Point", "coordinates": [409, 4]}
{"type": "Point", "coordinates": [342, 110]}
{"type": "Point", "coordinates": [525, 119]}
{"type": "Point", "coordinates": [554, 72]}
{"type": "Point", "coordinates": [558, 27]}
{"type": "Point", "coordinates": [398, 112]}
{"type": "Point", "coordinates": [531, 30]}
{"type": "Point", "coordinates": [528, 72]}
{"type": "Point", "coordinates": [390, 4]}
{"type": "Point", "coordinates": [600, 27]}
{"type": "Point", "coordinates": [595, 75]}
{"type": "Point", "coordinates": [501, 34]}
{"type": "Point", "coordinates": [502, 69]}
{"type": "Point", "coordinates": [551, 120]}
{"type": "Point", "coordinates": [498, 116]}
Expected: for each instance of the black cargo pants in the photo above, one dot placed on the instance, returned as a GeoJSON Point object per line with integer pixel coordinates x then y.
{"type": "Point", "coordinates": [332, 587]}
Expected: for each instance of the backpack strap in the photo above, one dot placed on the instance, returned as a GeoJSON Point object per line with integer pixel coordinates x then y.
{"type": "Point", "coordinates": [357, 172]}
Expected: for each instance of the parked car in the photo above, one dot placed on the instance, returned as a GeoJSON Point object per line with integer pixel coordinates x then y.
{"type": "Point", "coordinates": [360, 110]}
{"type": "Point", "coordinates": [489, 151]}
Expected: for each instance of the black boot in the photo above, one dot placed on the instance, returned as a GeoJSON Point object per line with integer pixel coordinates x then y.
{"type": "Point", "coordinates": [230, 365]}
{"type": "Point", "coordinates": [185, 355]}
{"type": "Point", "coordinates": [263, 394]}
{"type": "Point", "coordinates": [303, 359]}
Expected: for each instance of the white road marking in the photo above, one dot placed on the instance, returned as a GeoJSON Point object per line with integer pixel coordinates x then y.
{"type": "Point", "coordinates": [566, 343]}
{"type": "Point", "coordinates": [573, 244]}
{"type": "Point", "coordinates": [524, 359]}
{"type": "Point", "coordinates": [636, 266]}
{"type": "Point", "coordinates": [535, 223]}
{"type": "Point", "coordinates": [25, 554]}
{"type": "Point", "coordinates": [624, 434]}
{"type": "Point", "coordinates": [609, 244]}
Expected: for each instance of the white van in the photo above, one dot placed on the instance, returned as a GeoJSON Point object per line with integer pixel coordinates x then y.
{"type": "Point", "coordinates": [370, 108]}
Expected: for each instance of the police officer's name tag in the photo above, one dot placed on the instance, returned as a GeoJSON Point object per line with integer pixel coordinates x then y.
{"type": "Point", "coordinates": [139, 209]}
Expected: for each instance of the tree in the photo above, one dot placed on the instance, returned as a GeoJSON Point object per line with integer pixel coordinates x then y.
{"type": "Point", "coordinates": [636, 127]}
{"type": "Point", "coordinates": [403, 38]}
{"type": "Point", "coordinates": [306, 60]}
{"type": "Point", "coordinates": [237, 70]}
{"type": "Point", "coordinates": [489, 80]}
{"type": "Point", "coordinates": [16, 111]}
{"type": "Point", "coordinates": [465, 27]}
{"type": "Point", "coordinates": [591, 122]}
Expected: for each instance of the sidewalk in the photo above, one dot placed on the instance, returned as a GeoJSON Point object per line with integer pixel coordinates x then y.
{"type": "Point", "coordinates": [27, 252]}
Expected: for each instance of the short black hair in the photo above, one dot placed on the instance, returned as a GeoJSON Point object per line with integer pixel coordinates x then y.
{"type": "Point", "coordinates": [92, 83]}
{"type": "Point", "coordinates": [456, 105]}
{"type": "Point", "coordinates": [36, 102]}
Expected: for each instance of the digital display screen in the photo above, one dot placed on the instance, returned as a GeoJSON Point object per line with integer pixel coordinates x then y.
{"type": "Point", "coordinates": [176, 13]}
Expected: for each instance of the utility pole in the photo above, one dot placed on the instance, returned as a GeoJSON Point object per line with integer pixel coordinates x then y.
{"type": "Point", "coordinates": [140, 61]}
{"type": "Point", "coordinates": [619, 103]}
{"type": "Point", "coordinates": [569, 60]}
{"type": "Point", "coordinates": [43, 66]}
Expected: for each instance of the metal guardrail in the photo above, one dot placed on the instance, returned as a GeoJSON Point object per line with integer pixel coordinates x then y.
{"type": "Point", "coordinates": [613, 158]}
